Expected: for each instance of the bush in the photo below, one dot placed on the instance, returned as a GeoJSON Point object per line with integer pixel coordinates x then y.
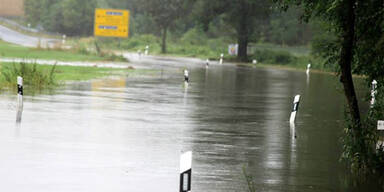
{"type": "Point", "coordinates": [32, 74]}
{"type": "Point", "coordinates": [359, 144]}
{"type": "Point", "coordinates": [140, 41]}
{"type": "Point", "coordinates": [274, 57]}
{"type": "Point", "coordinates": [194, 37]}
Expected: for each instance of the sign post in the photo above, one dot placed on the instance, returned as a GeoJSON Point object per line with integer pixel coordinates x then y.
{"type": "Point", "coordinates": [111, 23]}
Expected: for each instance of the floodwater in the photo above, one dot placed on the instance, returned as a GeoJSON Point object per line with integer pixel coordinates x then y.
{"type": "Point", "coordinates": [127, 134]}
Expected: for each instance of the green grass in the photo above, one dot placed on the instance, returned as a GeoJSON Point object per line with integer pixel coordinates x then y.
{"type": "Point", "coordinates": [72, 73]}
{"type": "Point", "coordinates": [297, 51]}
{"type": "Point", "coordinates": [32, 74]}
{"type": "Point", "coordinates": [45, 76]}
{"type": "Point", "coordinates": [192, 45]}
{"type": "Point", "coordinates": [15, 51]}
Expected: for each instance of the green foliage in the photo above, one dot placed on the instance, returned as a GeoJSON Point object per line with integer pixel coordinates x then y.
{"type": "Point", "coordinates": [194, 36]}
{"type": "Point", "coordinates": [352, 38]}
{"type": "Point", "coordinates": [326, 46]}
{"type": "Point", "coordinates": [39, 77]}
{"type": "Point", "coordinates": [243, 16]}
{"type": "Point", "coordinates": [78, 17]}
{"type": "Point", "coordinates": [164, 13]}
{"type": "Point", "coordinates": [359, 147]}
{"type": "Point", "coordinates": [70, 17]}
{"type": "Point", "coordinates": [249, 179]}
{"type": "Point", "coordinates": [274, 57]}
{"type": "Point", "coordinates": [32, 74]}
{"type": "Point", "coordinates": [286, 29]}
{"type": "Point", "coordinates": [143, 24]}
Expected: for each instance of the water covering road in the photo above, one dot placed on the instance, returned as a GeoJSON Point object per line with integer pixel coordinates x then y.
{"type": "Point", "coordinates": [127, 134]}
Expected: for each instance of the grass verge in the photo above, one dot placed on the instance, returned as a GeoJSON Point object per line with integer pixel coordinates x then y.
{"type": "Point", "coordinates": [192, 45]}
{"type": "Point", "coordinates": [39, 77]}
{"type": "Point", "coordinates": [75, 54]}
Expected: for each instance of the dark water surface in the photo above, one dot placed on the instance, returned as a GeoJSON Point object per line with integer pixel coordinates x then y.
{"type": "Point", "coordinates": [127, 134]}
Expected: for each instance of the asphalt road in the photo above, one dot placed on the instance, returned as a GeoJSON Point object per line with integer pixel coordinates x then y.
{"type": "Point", "coordinates": [18, 38]}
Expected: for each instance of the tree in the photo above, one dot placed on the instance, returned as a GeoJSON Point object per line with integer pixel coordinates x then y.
{"type": "Point", "coordinates": [286, 29]}
{"type": "Point", "coordinates": [164, 14]}
{"type": "Point", "coordinates": [78, 16]}
{"type": "Point", "coordinates": [341, 15]}
{"type": "Point", "coordinates": [358, 27]}
{"type": "Point", "coordinates": [72, 17]}
{"type": "Point", "coordinates": [244, 16]}
{"type": "Point", "coordinates": [32, 10]}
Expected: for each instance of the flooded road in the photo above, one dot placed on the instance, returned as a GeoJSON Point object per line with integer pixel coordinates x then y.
{"type": "Point", "coordinates": [127, 134]}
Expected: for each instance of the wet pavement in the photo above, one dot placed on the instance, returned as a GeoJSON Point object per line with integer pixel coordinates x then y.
{"type": "Point", "coordinates": [18, 38]}
{"type": "Point", "coordinates": [127, 134]}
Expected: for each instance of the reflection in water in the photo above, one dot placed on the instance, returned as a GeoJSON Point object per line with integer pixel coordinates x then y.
{"type": "Point", "coordinates": [293, 133]}
{"type": "Point", "coordinates": [186, 86]}
{"type": "Point", "coordinates": [121, 135]}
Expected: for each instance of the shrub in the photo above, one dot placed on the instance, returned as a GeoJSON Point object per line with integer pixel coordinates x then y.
{"type": "Point", "coordinates": [359, 144]}
{"type": "Point", "coordinates": [274, 57]}
{"type": "Point", "coordinates": [32, 74]}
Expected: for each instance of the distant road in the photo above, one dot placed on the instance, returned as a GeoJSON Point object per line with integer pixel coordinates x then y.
{"type": "Point", "coordinates": [18, 38]}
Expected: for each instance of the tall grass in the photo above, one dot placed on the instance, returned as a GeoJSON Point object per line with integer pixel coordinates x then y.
{"type": "Point", "coordinates": [249, 179]}
{"type": "Point", "coordinates": [34, 76]}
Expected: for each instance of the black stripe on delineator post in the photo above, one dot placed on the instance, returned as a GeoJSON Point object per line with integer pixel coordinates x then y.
{"type": "Point", "coordinates": [185, 181]}
{"type": "Point", "coordinates": [19, 89]}
{"type": "Point", "coordinates": [19, 85]}
{"type": "Point", "coordinates": [185, 172]}
{"type": "Point", "coordinates": [295, 108]}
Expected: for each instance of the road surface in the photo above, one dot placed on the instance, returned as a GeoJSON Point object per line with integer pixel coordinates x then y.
{"type": "Point", "coordinates": [18, 38]}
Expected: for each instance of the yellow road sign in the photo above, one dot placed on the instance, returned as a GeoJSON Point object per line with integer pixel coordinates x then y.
{"type": "Point", "coordinates": [111, 23]}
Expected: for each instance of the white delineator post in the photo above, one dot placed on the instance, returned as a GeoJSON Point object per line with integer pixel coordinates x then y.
{"type": "Point", "coordinates": [373, 92]}
{"type": "Point", "coordinates": [146, 50]}
{"type": "Point", "coordinates": [380, 127]}
{"type": "Point", "coordinates": [296, 103]}
{"type": "Point", "coordinates": [64, 37]}
{"type": "Point", "coordinates": [19, 98]}
{"type": "Point", "coordinates": [308, 68]}
{"type": "Point", "coordinates": [20, 91]}
{"type": "Point", "coordinates": [185, 172]}
{"type": "Point", "coordinates": [186, 76]}
{"type": "Point", "coordinates": [221, 58]}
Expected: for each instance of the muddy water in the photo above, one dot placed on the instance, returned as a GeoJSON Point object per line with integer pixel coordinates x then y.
{"type": "Point", "coordinates": [127, 134]}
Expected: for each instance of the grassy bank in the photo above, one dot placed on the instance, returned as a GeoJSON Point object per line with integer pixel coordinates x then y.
{"type": "Point", "coordinates": [74, 54]}
{"type": "Point", "coordinates": [191, 45]}
{"type": "Point", "coordinates": [46, 76]}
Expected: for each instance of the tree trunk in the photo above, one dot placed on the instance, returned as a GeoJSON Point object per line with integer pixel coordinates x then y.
{"type": "Point", "coordinates": [346, 57]}
{"type": "Point", "coordinates": [242, 33]}
{"type": "Point", "coordinates": [242, 52]}
{"type": "Point", "coordinates": [164, 41]}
